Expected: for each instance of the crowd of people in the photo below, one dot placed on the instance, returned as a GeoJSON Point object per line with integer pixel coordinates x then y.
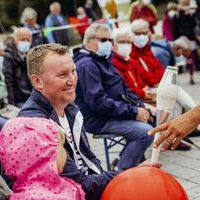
{"type": "Point", "coordinates": [108, 87]}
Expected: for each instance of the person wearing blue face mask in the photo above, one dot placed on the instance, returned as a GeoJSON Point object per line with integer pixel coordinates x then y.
{"type": "Point", "coordinates": [104, 99]}
{"type": "Point", "coordinates": [15, 69]}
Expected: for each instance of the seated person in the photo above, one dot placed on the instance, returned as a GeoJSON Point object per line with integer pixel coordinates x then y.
{"type": "Point", "coordinates": [123, 63]}
{"type": "Point", "coordinates": [174, 53]}
{"type": "Point", "coordinates": [37, 173]}
{"type": "Point", "coordinates": [143, 9]}
{"type": "Point", "coordinates": [82, 18]}
{"type": "Point", "coordinates": [107, 104]}
{"type": "Point", "coordinates": [51, 65]}
{"type": "Point", "coordinates": [15, 69]}
{"type": "Point", "coordinates": [149, 68]}
{"type": "Point", "coordinates": [29, 21]}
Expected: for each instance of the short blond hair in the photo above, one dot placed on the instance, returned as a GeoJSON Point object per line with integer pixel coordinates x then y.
{"type": "Point", "coordinates": [37, 55]}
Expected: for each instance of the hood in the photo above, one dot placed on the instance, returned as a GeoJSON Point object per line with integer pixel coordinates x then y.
{"type": "Point", "coordinates": [28, 155]}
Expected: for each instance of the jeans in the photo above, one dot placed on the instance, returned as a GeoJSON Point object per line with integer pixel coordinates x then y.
{"type": "Point", "coordinates": [137, 138]}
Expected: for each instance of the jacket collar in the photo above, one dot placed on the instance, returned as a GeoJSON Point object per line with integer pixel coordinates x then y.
{"type": "Point", "coordinates": [136, 50]}
{"type": "Point", "coordinates": [44, 103]}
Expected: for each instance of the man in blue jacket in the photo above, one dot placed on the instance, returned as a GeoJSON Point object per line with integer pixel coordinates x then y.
{"type": "Point", "coordinates": [106, 103]}
{"type": "Point", "coordinates": [53, 76]}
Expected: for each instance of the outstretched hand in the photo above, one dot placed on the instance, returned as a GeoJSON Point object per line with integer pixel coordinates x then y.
{"type": "Point", "coordinates": [174, 131]}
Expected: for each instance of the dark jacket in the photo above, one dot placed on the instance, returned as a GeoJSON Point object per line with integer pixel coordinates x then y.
{"type": "Point", "coordinates": [99, 91]}
{"type": "Point", "coordinates": [15, 72]}
{"type": "Point", "coordinates": [93, 184]}
{"type": "Point", "coordinates": [183, 25]}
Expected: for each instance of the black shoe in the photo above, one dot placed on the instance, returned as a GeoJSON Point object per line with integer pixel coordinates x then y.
{"type": "Point", "coordinates": [192, 82]}
{"type": "Point", "coordinates": [195, 133]}
{"type": "Point", "coordinates": [114, 164]}
{"type": "Point", "coordinates": [183, 147]}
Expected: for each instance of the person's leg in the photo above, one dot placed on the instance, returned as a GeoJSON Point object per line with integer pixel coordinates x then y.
{"type": "Point", "coordinates": [184, 99]}
{"type": "Point", "coordinates": [137, 140]}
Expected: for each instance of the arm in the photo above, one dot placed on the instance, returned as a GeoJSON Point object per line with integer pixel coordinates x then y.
{"type": "Point", "coordinates": [96, 97]}
{"type": "Point", "coordinates": [48, 23]}
{"type": "Point", "coordinates": [177, 129]}
{"type": "Point", "coordinates": [92, 184]}
{"type": "Point", "coordinates": [8, 71]}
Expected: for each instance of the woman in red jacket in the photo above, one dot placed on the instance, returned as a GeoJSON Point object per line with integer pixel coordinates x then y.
{"type": "Point", "coordinates": [150, 69]}
{"type": "Point", "coordinates": [123, 63]}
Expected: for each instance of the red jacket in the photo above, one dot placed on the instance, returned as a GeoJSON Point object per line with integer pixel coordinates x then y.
{"type": "Point", "coordinates": [149, 68]}
{"type": "Point", "coordinates": [130, 74]}
{"type": "Point", "coordinates": [82, 29]}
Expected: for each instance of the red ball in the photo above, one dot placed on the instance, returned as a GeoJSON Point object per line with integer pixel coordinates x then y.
{"type": "Point", "coordinates": [144, 183]}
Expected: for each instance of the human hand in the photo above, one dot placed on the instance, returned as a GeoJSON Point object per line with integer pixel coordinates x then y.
{"type": "Point", "coordinates": [148, 163]}
{"type": "Point", "coordinates": [147, 92]}
{"type": "Point", "coordinates": [143, 115]}
{"type": "Point", "coordinates": [174, 131]}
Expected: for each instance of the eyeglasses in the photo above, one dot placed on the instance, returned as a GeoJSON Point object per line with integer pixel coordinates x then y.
{"type": "Point", "coordinates": [104, 39]}
{"type": "Point", "coordinates": [124, 42]}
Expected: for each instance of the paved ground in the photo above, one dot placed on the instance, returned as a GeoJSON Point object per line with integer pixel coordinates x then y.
{"type": "Point", "coordinates": [185, 166]}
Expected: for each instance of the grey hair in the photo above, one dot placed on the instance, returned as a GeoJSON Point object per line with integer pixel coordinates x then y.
{"type": "Point", "coordinates": [183, 42]}
{"type": "Point", "coordinates": [92, 29]}
{"type": "Point", "coordinates": [28, 13]}
{"type": "Point", "coordinates": [120, 32]}
{"type": "Point", "coordinates": [139, 23]}
{"type": "Point", "coordinates": [17, 32]}
{"type": "Point", "coordinates": [55, 3]}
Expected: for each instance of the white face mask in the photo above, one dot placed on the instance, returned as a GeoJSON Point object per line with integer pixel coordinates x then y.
{"type": "Point", "coordinates": [140, 40]}
{"type": "Point", "coordinates": [146, 2]}
{"type": "Point", "coordinates": [81, 16]}
{"type": "Point", "coordinates": [124, 50]}
{"type": "Point", "coordinates": [1, 62]}
{"type": "Point", "coordinates": [104, 49]}
{"type": "Point", "coordinates": [171, 14]}
{"type": "Point", "coordinates": [23, 46]}
{"type": "Point", "coordinates": [180, 60]}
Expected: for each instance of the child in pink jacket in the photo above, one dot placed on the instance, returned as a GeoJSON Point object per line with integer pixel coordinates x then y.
{"type": "Point", "coordinates": [32, 153]}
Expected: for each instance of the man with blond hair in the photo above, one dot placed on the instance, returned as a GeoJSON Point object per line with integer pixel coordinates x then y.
{"type": "Point", "coordinates": [53, 76]}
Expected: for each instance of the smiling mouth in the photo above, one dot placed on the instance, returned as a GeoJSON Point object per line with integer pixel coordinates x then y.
{"type": "Point", "coordinates": [69, 90]}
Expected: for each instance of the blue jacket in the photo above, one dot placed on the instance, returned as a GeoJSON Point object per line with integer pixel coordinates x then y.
{"type": "Point", "coordinates": [162, 50]}
{"type": "Point", "coordinates": [58, 36]}
{"type": "Point", "coordinates": [99, 91]}
{"type": "Point", "coordinates": [93, 184]}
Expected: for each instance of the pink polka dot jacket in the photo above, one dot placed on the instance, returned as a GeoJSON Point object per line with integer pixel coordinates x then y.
{"type": "Point", "coordinates": [28, 155]}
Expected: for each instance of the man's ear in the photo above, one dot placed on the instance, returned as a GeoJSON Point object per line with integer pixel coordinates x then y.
{"type": "Point", "coordinates": [36, 82]}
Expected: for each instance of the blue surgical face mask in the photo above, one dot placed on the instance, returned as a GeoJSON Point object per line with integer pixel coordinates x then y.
{"type": "Point", "coordinates": [23, 46]}
{"type": "Point", "coordinates": [180, 60]}
{"type": "Point", "coordinates": [140, 40]}
{"type": "Point", "coordinates": [104, 49]}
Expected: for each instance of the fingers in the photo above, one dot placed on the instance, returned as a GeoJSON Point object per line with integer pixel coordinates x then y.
{"type": "Point", "coordinates": [157, 164]}
{"type": "Point", "coordinates": [176, 143]}
{"type": "Point", "coordinates": [162, 138]}
{"type": "Point", "coordinates": [169, 141]}
{"type": "Point", "coordinates": [159, 128]}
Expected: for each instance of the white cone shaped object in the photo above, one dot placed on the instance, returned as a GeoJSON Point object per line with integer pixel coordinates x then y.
{"type": "Point", "coordinates": [165, 102]}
